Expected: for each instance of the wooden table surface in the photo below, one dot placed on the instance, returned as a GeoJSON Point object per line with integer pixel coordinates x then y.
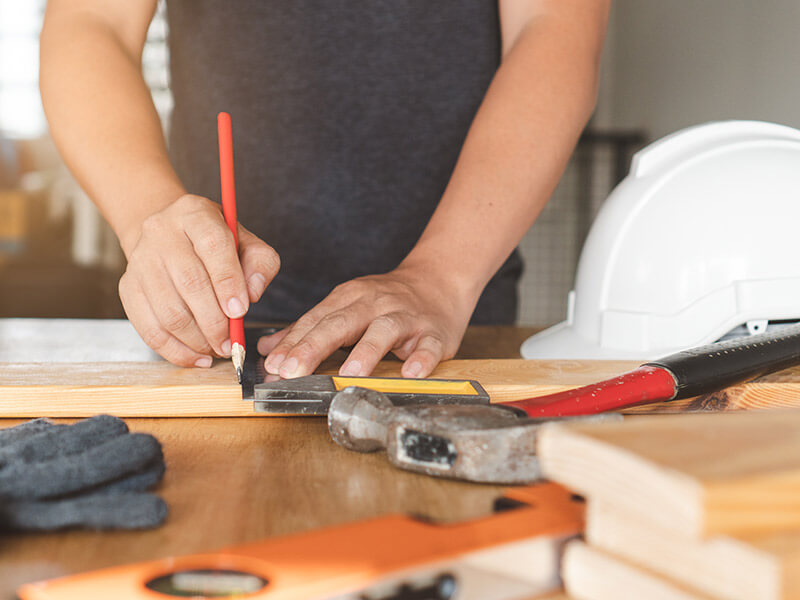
{"type": "Point", "coordinates": [231, 481]}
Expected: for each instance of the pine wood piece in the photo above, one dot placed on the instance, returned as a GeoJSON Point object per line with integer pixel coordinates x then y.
{"type": "Point", "coordinates": [743, 567]}
{"type": "Point", "coordinates": [158, 389]}
{"type": "Point", "coordinates": [590, 574]}
{"type": "Point", "coordinates": [136, 389]}
{"type": "Point", "coordinates": [699, 475]}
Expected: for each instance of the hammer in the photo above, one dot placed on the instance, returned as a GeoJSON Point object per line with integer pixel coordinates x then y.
{"type": "Point", "coordinates": [481, 443]}
{"type": "Point", "coordinates": [496, 443]}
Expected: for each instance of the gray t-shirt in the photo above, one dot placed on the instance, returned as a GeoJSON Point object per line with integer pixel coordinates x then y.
{"type": "Point", "coordinates": [348, 117]}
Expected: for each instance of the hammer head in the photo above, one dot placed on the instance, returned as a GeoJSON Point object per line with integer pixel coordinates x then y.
{"type": "Point", "coordinates": [488, 444]}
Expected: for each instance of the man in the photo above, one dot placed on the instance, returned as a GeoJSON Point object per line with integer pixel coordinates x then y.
{"type": "Point", "coordinates": [379, 150]}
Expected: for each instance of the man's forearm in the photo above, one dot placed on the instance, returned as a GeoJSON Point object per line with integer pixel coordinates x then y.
{"type": "Point", "coordinates": [102, 118]}
{"type": "Point", "coordinates": [517, 148]}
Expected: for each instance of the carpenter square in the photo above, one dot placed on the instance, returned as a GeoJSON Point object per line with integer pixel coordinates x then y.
{"type": "Point", "coordinates": [481, 443]}
{"type": "Point", "coordinates": [312, 395]}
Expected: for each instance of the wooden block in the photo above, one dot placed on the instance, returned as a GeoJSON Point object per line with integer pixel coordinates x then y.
{"type": "Point", "coordinates": [158, 389]}
{"type": "Point", "coordinates": [743, 567]}
{"type": "Point", "coordinates": [699, 475]}
{"type": "Point", "coordinates": [133, 389]}
{"type": "Point", "coordinates": [79, 367]}
{"type": "Point", "coordinates": [590, 574]}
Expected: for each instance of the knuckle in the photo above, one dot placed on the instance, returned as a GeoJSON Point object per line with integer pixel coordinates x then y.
{"type": "Point", "coordinates": [269, 261]}
{"type": "Point", "coordinates": [152, 225]}
{"type": "Point", "coordinates": [306, 347]}
{"type": "Point", "coordinates": [155, 337]}
{"type": "Point", "coordinates": [335, 321]}
{"type": "Point", "coordinates": [175, 319]}
{"type": "Point", "coordinates": [348, 288]}
{"type": "Point", "coordinates": [369, 347]}
{"type": "Point", "coordinates": [190, 202]}
{"type": "Point", "coordinates": [213, 240]}
{"type": "Point", "coordinates": [305, 322]}
{"type": "Point", "coordinates": [433, 343]}
{"type": "Point", "coordinates": [225, 280]}
{"type": "Point", "coordinates": [193, 280]}
{"type": "Point", "coordinates": [388, 322]}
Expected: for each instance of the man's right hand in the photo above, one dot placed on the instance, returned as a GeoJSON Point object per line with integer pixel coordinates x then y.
{"type": "Point", "coordinates": [185, 280]}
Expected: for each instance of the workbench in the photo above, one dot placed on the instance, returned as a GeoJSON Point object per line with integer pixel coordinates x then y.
{"type": "Point", "coordinates": [235, 480]}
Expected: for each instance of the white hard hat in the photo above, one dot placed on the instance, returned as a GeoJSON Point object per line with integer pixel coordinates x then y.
{"type": "Point", "coordinates": [701, 238]}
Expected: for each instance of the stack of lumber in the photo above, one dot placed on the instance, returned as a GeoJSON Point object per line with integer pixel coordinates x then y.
{"type": "Point", "coordinates": [683, 506]}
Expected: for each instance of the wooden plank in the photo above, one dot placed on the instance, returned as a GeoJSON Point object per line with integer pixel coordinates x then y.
{"type": "Point", "coordinates": [699, 475]}
{"type": "Point", "coordinates": [590, 574]}
{"type": "Point", "coordinates": [742, 567]}
{"type": "Point", "coordinates": [134, 389]}
{"type": "Point", "coordinates": [158, 389]}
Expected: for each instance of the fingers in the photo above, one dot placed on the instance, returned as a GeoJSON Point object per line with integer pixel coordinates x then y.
{"type": "Point", "coordinates": [260, 263]}
{"type": "Point", "coordinates": [267, 343]}
{"type": "Point", "coordinates": [294, 334]}
{"type": "Point", "coordinates": [171, 311]}
{"type": "Point", "coordinates": [429, 352]}
{"type": "Point", "coordinates": [141, 316]}
{"type": "Point", "coordinates": [304, 352]}
{"type": "Point", "coordinates": [383, 334]}
{"type": "Point", "coordinates": [194, 286]}
{"type": "Point", "coordinates": [214, 244]}
{"type": "Point", "coordinates": [381, 313]}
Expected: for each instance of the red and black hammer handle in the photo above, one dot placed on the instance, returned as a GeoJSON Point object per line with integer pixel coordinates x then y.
{"type": "Point", "coordinates": [681, 375]}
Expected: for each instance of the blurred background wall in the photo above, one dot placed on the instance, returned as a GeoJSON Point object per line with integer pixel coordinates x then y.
{"type": "Point", "coordinates": [667, 65]}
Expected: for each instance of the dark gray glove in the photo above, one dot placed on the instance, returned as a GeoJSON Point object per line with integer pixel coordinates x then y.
{"type": "Point", "coordinates": [93, 474]}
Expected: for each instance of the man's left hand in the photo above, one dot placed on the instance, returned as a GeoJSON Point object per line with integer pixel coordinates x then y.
{"type": "Point", "coordinates": [412, 314]}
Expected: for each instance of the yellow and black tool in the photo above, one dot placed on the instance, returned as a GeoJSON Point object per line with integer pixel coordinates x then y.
{"type": "Point", "coordinates": [311, 395]}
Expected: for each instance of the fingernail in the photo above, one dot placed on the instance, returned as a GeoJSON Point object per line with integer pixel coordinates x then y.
{"type": "Point", "coordinates": [413, 370]}
{"type": "Point", "coordinates": [226, 347]}
{"type": "Point", "coordinates": [351, 368]}
{"type": "Point", "coordinates": [274, 363]}
{"type": "Point", "coordinates": [257, 284]}
{"type": "Point", "coordinates": [235, 308]}
{"type": "Point", "coordinates": [288, 368]}
{"type": "Point", "coordinates": [203, 362]}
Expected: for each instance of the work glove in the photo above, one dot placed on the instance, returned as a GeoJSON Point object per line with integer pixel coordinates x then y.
{"type": "Point", "coordinates": [92, 474]}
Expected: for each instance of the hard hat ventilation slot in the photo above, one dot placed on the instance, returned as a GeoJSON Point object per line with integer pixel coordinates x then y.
{"type": "Point", "coordinates": [757, 326]}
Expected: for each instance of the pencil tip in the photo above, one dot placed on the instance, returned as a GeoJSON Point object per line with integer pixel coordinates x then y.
{"type": "Point", "coordinates": [239, 374]}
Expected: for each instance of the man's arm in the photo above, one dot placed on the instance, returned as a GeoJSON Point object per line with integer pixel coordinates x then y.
{"type": "Point", "coordinates": [515, 152]}
{"type": "Point", "coordinates": [184, 277]}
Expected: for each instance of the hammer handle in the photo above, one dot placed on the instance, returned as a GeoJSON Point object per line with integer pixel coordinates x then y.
{"type": "Point", "coordinates": [681, 375]}
{"type": "Point", "coordinates": [641, 386]}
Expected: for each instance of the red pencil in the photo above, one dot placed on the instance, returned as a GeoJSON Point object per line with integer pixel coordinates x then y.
{"type": "Point", "coordinates": [229, 211]}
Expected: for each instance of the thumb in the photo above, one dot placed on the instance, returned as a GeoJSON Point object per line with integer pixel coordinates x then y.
{"type": "Point", "coordinates": [260, 263]}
